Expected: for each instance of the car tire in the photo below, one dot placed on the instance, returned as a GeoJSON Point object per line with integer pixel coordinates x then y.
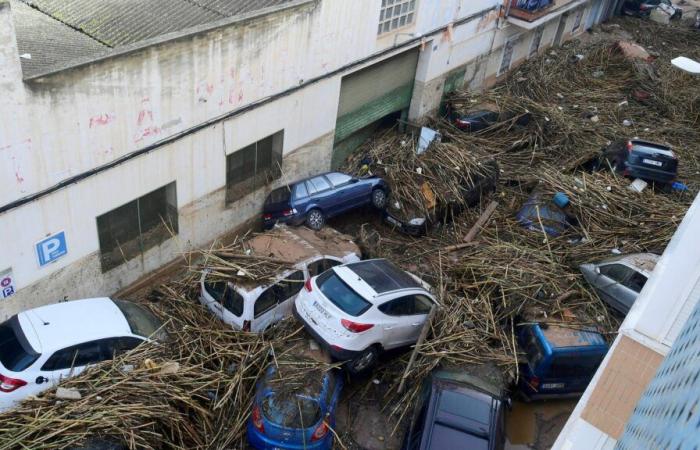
{"type": "Point", "coordinates": [364, 362]}
{"type": "Point", "coordinates": [379, 198]}
{"type": "Point", "coordinates": [315, 219]}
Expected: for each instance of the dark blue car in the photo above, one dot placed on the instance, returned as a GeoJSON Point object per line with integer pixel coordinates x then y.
{"type": "Point", "coordinates": [315, 199]}
{"type": "Point", "coordinates": [296, 417]}
{"type": "Point", "coordinates": [560, 361]}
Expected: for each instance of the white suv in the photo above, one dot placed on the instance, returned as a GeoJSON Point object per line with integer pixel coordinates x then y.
{"type": "Point", "coordinates": [41, 346]}
{"type": "Point", "coordinates": [250, 306]}
{"type": "Point", "coordinates": [357, 310]}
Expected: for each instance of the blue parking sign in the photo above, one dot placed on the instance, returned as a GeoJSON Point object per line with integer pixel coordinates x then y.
{"type": "Point", "coordinates": [51, 248]}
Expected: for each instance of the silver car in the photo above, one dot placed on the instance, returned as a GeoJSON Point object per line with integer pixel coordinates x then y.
{"type": "Point", "coordinates": [619, 280]}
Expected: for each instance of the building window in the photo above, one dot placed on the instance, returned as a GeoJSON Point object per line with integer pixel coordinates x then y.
{"type": "Point", "coordinates": [507, 56]}
{"type": "Point", "coordinates": [396, 14]}
{"type": "Point", "coordinates": [536, 40]}
{"type": "Point", "coordinates": [253, 167]}
{"type": "Point", "coordinates": [133, 228]}
{"type": "Point", "coordinates": [577, 20]}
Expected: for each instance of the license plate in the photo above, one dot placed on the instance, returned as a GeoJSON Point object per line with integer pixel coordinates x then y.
{"type": "Point", "coordinates": [552, 385]}
{"type": "Point", "coordinates": [652, 162]}
{"type": "Point", "coordinates": [322, 310]}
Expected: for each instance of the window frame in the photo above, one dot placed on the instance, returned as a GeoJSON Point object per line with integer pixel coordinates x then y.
{"type": "Point", "coordinates": [508, 49]}
{"type": "Point", "coordinates": [392, 19]}
{"type": "Point", "coordinates": [309, 183]}
{"type": "Point", "coordinates": [620, 281]}
{"type": "Point", "coordinates": [536, 38]}
{"type": "Point", "coordinates": [328, 263]}
{"type": "Point", "coordinates": [242, 180]}
{"type": "Point", "coordinates": [74, 350]}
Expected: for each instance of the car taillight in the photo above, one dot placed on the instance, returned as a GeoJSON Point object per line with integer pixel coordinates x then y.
{"type": "Point", "coordinates": [534, 382]}
{"type": "Point", "coordinates": [289, 212]}
{"type": "Point", "coordinates": [8, 384]}
{"type": "Point", "coordinates": [355, 327]}
{"type": "Point", "coordinates": [629, 147]}
{"type": "Point", "coordinates": [307, 285]}
{"type": "Point", "coordinates": [246, 325]}
{"type": "Point", "coordinates": [320, 432]}
{"type": "Point", "coordinates": [257, 419]}
{"type": "Point", "coordinates": [267, 216]}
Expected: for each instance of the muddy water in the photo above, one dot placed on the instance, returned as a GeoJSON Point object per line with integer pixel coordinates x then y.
{"type": "Point", "coordinates": [536, 425]}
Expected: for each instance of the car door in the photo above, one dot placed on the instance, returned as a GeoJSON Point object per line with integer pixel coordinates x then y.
{"type": "Point", "coordinates": [405, 317]}
{"type": "Point", "coordinates": [275, 302]}
{"type": "Point", "coordinates": [352, 193]}
{"type": "Point", "coordinates": [610, 285]}
{"type": "Point", "coordinates": [286, 291]}
{"type": "Point", "coordinates": [634, 284]}
{"type": "Point", "coordinates": [71, 361]}
{"type": "Point", "coordinates": [322, 193]}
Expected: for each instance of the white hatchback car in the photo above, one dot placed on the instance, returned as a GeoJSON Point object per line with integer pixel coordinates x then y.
{"type": "Point", "coordinates": [41, 346]}
{"type": "Point", "coordinates": [249, 306]}
{"type": "Point", "coordinates": [357, 310]}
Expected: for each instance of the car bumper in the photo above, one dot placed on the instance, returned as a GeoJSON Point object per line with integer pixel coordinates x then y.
{"type": "Point", "coordinates": [647, 173]}
{"type": "Point", "coordinates": [529, 394]}
{"type": "Point", "coordinates": [262, 442]}
{"type": "Point", "coordinates": [337, 353]}
{"type": "Point", "coordinates": [294, 220]}
{"type": "Point", "coordinates": [405, 227]}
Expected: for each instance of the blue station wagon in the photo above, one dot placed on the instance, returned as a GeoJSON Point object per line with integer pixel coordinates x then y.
{"type": "Point", "coordinates": [560, 361]}
{"type": "Point", "coordinates": [286, 416]}
{"type": "Point", "coordinates": [315, 199]}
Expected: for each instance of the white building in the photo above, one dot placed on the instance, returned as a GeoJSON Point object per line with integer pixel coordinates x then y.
{"type": "Point", "coordinates": [129, 134]}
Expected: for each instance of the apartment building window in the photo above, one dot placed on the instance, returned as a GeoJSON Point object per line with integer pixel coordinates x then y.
{"type": "Point", "coordinates": [396, 14]}
{"type": "Point", "coordinates": [128, 231]}
{"type": "Point", "coordinates": [507, 56]}
{"type": "Point", "coordinates": [253, 167]}
{"type": "Point", "coordinates": [536, 41]}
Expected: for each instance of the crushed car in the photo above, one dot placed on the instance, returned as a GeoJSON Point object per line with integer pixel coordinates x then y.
{"type": "Point", "coordinates": [248, 305]}
{"type": "Point", "coordinates": [481, 117]}
{"type": "Point", "coordinates": [560, 361]}
{"type": "Point", "coordinates": [456, 409]}
{"type": "Point", "coordinates": [644, 8]}
{"type": "Point", "coordinates": [546, 215]}
{"type": "Point", "coordinates": [636, 158]}
{"type": "Point", "coordinates": [41, 346]}
{"type": "Point", "coordinates": [619, 280]}
{"type": "Point", "coordinates": [357, 310]}
{"type": "Point", "coordinates": [313, 200]}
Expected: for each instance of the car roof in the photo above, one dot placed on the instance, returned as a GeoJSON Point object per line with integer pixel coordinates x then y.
{"type": "Point", "coordinates": [296, 245]}
{"type": "Point", "coordinates": [382, 276]}
{"type": "Point", "coordinates": [561, 337]}
{"type": "Point", "coordinates": [643, 262]}
{"type": "Point", "coordinates": [60, 325]}
{"type": "Point", "coordinates": [460, 414]}
{"type": "Point", "coordinates": [639, 144]}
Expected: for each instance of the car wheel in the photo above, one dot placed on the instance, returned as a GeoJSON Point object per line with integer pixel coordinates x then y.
{"type": "Point", "coordinates": [364, 362]}
{"type": "Point", "coordinates": [315, 219]}
{"type": "Point", "coordinates": [379, 198]}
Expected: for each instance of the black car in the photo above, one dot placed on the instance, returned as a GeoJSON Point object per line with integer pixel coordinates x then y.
{"type": "Point", "coordinates": [457, 411]}
{"type": "Point", "coordinates": [641, 159]}
{"type": "Point", "coordinates": [481, 119]}
{"type": "Point", "coordinates": [314, 199]}
{"type": "Point", "coordinates": [643, 8]}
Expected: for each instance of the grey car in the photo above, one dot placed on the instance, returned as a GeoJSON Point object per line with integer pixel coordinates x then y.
{"type": "Point", "coordinates": [619, 280]}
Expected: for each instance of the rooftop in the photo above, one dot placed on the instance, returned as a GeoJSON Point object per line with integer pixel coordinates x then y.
{"type": "Point", "coordinates": [50, 327]}
{"type": "Point", "coordinates": [57, 34]}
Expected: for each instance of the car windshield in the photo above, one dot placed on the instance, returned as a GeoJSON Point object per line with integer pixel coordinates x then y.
{"type": "Point", "coordinates": [141, 321]}
{"type": "Point", "coordinates": [533, 349]}
{"type": "Point", "coordinates": [291, 410]}
{"type": "Point", "coordinates": [342, 295]}
{"type": "Point", "coordinates": [16, 354]}
{"type": "Point", "coordinates": [279, 195]}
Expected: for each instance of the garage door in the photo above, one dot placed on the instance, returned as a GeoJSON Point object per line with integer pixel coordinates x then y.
{"type": "Point", "coordinates": [371, 94]}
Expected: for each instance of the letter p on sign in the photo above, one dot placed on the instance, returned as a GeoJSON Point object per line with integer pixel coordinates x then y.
{"type": "Point", "coordinates": [51, 248]}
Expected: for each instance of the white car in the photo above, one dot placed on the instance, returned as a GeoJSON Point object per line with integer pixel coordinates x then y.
{"type": "Point", "coordinates": [357, 310]}
{"type": "Point", "coordinates": [41, 346]}
{"type": "Point", "coordinates": [248, 306]}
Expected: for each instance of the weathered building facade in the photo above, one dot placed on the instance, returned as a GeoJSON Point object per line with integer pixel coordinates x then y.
{"type": "Point", "coordinates": [129, 136]}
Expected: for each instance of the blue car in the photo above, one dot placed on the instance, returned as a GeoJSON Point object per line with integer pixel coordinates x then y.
{"type": "Point", "coordinates": [560, 361]}
{"type": "Point", "coordinates": [294, 417]}
{"type": "Point", "coordinates": [539, 215]}
{"type": "Point", "coordinates": [315, 199]}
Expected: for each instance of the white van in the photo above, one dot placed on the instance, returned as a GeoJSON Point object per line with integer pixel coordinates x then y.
{"type": "Point", "coordinates": [251, 307]}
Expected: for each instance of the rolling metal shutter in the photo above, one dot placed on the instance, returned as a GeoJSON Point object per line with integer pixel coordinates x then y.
{"type": "Point", "coordinates": [374, 92]}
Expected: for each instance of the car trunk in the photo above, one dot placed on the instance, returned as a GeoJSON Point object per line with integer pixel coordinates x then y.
{"type": "Point", "coordinates": [290, 418]}
{"type": "Point", "coordinates": [657, 160]}
{"type": "Point", "coordinates": [278, 201]}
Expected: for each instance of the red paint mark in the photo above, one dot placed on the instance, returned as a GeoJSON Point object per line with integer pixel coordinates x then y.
{"type": "Point", "coordinates": [101, 119]}
{"type": "Point", "coordinates": [19, 178]}
{"type": "Point", "coordinates": [144, 115]}
{"type": "Point", "coordinates": [210, 88]}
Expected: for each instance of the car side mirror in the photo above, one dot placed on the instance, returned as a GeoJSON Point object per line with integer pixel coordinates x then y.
{"type": "Point", "coordinates": [597, 270]}
{"type": "Point", "coordinates": [354, 180]}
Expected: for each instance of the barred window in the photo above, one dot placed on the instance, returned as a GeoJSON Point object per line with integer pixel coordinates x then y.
{"type": "Point", "coordinates": [396, 14]}
{"type": "Point", "coordinates": [253, 167]}
{"type": "Point", "coordinates": [131, 229]}
{"type": "Point", "coordinates": [536, 40]}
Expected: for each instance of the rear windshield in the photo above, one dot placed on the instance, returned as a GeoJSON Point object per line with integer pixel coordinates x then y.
{"type": "Point", "coordinates": [227, 296]}
{"type": "Point", "coordinates": [290, 410]}
{"type": "Point", "coordinates": [341, 295]}
{"type": "Point", "coordinates": [141, 321]}
{"type": "Point", "coordinates": [279, 195]}
{"type": "Point", "coordinates": [15, 352]}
